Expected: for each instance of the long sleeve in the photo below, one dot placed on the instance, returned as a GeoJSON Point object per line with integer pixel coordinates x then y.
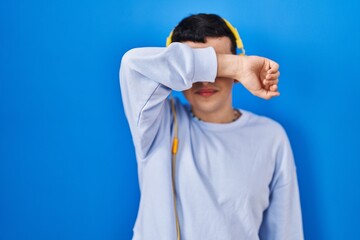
{"type": "Point", "coordinates": [147, 76]}
{"type": "Point", "coordinates": [282, 219]}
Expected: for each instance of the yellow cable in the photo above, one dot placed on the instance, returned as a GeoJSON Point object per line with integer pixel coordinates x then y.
{"type": "Point", "coordinates": [174, 152]}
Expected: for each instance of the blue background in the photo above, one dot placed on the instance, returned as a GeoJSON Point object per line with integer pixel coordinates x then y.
{"type": "Point", "coordinates": [67, 165]}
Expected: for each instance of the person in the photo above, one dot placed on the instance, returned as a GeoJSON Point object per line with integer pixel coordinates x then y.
{"type": "Point", "coordinates": [233, 175]}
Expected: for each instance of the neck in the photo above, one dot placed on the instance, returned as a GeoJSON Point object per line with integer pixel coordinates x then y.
{"type": "Point", "coordinates": [225, 115]}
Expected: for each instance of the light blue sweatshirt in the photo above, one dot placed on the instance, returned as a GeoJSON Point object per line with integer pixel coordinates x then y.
{"type": "Point", "coordinates": [233, 181]}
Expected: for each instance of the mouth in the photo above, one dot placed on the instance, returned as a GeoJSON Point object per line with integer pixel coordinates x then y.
{"type": "Point", "coordinates": [206, 92]}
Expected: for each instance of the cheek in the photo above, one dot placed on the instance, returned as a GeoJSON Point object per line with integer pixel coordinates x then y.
{"type": "Point", "coordinates": [230, 84]}
{"type": "Point", "coordinates": [226, 84]}
{"type": "Point", "coordinates": [187, 95]}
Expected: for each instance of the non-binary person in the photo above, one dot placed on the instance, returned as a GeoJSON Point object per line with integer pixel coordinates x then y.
{"type": "Point", "coordinates": [207, 170]}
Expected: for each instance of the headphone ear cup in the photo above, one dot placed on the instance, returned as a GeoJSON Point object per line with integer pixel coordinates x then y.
{"type": "Point", "coordinates": [169, 38]}
{"type": "Point", "coordinates": [239, 43]}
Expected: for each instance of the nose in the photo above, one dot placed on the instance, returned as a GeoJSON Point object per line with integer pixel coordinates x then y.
{"type": "Point", "coordinates": [205, 83]}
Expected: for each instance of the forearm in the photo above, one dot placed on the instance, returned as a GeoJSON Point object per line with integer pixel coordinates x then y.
{"type": "Point", "coordinates": [177, 66]}
{"type": "Point", "coordinates": [228, 65]}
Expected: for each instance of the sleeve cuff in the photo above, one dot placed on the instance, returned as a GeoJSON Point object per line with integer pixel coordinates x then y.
{"type": "Point", "coordinates": [205, 65]}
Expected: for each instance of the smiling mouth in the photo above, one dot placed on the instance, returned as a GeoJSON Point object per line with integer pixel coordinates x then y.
{"type": "Point", "coordinates": [206, 92]}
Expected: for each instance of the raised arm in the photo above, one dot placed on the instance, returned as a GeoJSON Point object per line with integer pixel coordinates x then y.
{"type": "Point", "coordinates": [147, 76]}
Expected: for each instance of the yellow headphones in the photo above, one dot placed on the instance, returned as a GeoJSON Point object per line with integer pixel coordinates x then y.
{"type": "Point", "coordinates": [239, 43]}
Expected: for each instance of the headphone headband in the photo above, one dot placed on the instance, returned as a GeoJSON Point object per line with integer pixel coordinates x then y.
{"type": "Point", "coordinates": [234, 31]}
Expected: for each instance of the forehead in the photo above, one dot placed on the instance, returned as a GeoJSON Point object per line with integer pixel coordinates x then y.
{"type": "Point", "coordinates": [221, 45]}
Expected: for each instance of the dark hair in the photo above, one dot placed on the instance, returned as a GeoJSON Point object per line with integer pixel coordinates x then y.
{"type": "Point", "coordinates": [197, 27]}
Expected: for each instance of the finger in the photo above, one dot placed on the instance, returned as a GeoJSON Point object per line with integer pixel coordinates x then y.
{"type": "Point", "coordinates": [274, 67]}
{"type": "Point", "coordinates": [266, 94]}
{"type": "Point", "coordinates": [272, 94]}
{"type": "Point", "coordinates": [269, 95]}
{"type": "Point", "coordinates": [273, 88]}
{"type": "Point", "coordinates": [273, 75]}
{"type": "Point", "coordinates": [267, 82]}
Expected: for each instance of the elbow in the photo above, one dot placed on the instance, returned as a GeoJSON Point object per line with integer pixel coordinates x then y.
{"type": "Point", "coordinates": [127, 65]}
{"type": "Point", "coordinates": [127, 59]}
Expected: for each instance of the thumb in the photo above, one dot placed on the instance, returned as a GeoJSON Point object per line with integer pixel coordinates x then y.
{"type": "Point", "coordinates": [265, 94]}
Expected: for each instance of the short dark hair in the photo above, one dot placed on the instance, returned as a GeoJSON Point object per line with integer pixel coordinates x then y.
{"type": "Point", "coordinates": [197, 27]}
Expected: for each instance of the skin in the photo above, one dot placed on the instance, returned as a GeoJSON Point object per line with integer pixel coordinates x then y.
{"type": "Point", "coordinates": [212, 102]}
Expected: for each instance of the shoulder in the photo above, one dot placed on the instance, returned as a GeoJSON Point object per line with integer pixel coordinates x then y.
{"type": "Point", "coordinates": [265, 125]}
{"type": "Point", "coordinates": [257, 120]}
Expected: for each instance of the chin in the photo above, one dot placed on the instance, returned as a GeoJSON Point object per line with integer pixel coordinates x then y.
{"type": "Point", "coordinates": [205, 106]}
